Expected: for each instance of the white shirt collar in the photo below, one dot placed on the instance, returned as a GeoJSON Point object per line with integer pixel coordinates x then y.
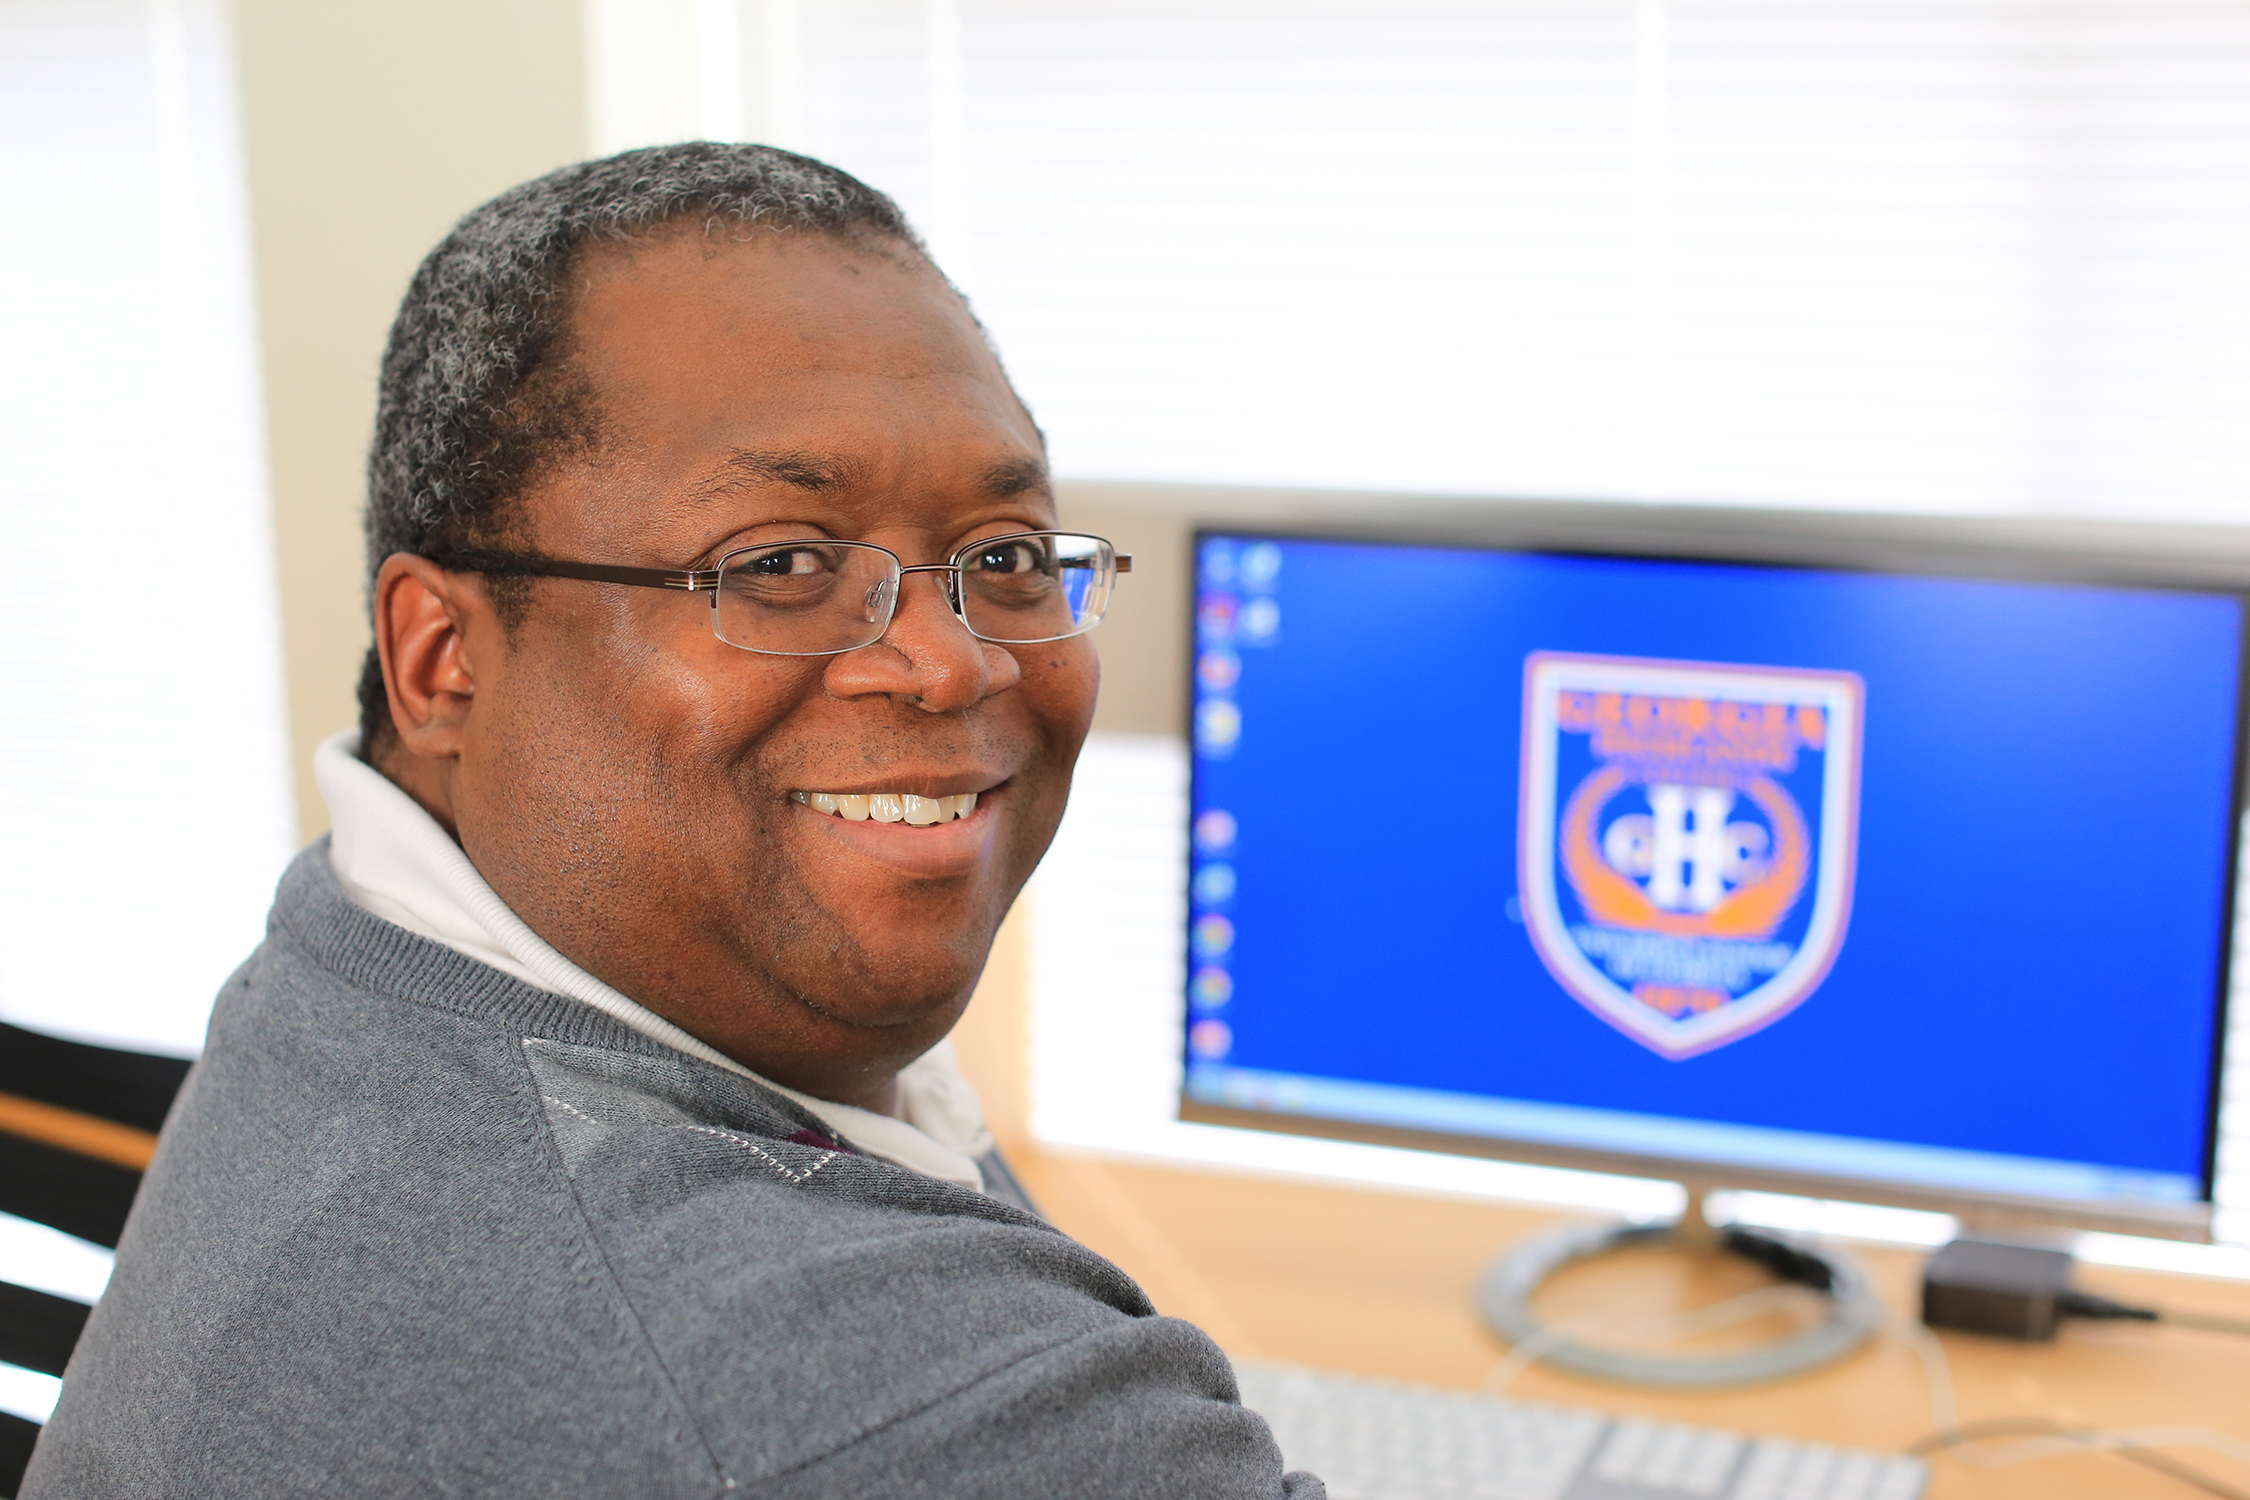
{"type": "Point", "coordinates": [396, 861]}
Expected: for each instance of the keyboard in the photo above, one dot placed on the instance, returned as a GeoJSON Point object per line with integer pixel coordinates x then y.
{"type": "Point", "coordinates": [1382, 1440]}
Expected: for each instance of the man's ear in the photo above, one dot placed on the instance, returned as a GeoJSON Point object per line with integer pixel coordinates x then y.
{"type": "Point", "coordinates": [422, 615]}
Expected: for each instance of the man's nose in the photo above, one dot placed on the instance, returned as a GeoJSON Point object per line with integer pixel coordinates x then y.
{"type": "Point", "coordinates": [927, 655]}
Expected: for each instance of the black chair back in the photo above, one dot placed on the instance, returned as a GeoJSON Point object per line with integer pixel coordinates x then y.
{"type": "Point", "coordinates": [77, 1126]}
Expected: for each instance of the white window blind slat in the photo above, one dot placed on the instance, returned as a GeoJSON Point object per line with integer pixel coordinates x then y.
{"type": "Point", "coordinates": [1985, 255]}
{"type": "Point", "coordinates": [144, 778]}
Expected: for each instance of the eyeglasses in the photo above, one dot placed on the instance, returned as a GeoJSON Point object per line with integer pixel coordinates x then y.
{"type": "Point", "coordinates": [818, 597]}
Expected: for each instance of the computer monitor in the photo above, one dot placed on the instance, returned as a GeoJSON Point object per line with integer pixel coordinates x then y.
{"type": "Point", "coordinates": [1894, 865]}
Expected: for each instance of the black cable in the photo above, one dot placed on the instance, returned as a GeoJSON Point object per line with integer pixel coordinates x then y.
{"type": "Point", "coordinates": [2087, 1305]}
{"type": "Point", "coordinates": [1787, 1262]}
{"type": "Point", "coordinates": [2148, 1458]}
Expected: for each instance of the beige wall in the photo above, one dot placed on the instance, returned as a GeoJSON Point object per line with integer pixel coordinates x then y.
{"type": "Point", "coordinates": [370, 126]}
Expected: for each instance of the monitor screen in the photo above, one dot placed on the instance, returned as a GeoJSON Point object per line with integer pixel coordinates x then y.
{"type": "Point", "coordinates": [1916, 884]}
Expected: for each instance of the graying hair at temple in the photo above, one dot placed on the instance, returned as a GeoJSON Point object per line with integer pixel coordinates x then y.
{"type": "Point", "coordinates": [477, 390]}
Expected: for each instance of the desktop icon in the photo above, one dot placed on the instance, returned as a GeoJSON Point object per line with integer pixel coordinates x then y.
{"type": "Point", "coordinates": [1215, 619]}
{"type": "Point", "coordinates": [1259, 622]}
{"type": "Point", "coordinates": [1218, 671]}
{"type": "Point", "coordinates": [1218, 724]}
{"type": "Point", "coordinates": [1687, 839]}
{"type": "Point", "coordinates": [1210, 1039]}
{"type": "Point", "coordinates": [1215, 829]}
{"type": "Point", "coordinates": [1213, 885]}
{"type": "Point", "coordinates": [1211, 988]}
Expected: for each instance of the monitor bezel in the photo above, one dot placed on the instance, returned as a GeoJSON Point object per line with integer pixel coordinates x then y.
{"type": "Point", "coordinates": [2006, 549]}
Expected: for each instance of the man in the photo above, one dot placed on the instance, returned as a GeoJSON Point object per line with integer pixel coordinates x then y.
{"type": "Point", "coordinates": [584, 1127]}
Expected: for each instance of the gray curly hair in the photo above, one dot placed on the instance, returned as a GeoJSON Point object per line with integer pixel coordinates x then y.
{"type": "Point", "coordinates": [476, 391]}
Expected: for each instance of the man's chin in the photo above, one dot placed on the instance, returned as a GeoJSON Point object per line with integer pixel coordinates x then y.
{"type": "Point", "coordinates": [900, 966]}
{"type": "Point", "coordinates": [916, 1008]}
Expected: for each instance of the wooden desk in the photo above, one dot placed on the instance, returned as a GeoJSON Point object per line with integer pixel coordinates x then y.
{"type": "Point", "coordinates": [1380, 1283]}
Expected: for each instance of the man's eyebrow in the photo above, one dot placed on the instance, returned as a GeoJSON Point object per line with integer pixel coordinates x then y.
{"type": "Point", "coordinates": [792, 466]}
{"type": "Point", "coordinates": [1015, 476]}
{"type": "Point", "coordinates": [816, 472]}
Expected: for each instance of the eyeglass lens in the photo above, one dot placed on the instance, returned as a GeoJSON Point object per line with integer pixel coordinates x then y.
{"type": "Point", "coordinates": [814, 598]}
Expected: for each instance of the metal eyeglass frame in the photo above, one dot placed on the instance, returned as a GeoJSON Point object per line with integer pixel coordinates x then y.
{"type": "Point", "coordinates": [706, 580]}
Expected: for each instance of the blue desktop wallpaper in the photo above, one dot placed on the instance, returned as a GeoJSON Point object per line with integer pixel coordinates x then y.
{"type": "Point", "coordinates": [2045, 819]}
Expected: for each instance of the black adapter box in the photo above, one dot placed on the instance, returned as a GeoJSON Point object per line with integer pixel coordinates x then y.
{"type": "Point", "coordinates": [1989, 1286]}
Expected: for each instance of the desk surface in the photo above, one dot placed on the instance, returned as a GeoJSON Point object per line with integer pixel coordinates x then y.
{"type": "Point", "coordinates": [1380, 1284]}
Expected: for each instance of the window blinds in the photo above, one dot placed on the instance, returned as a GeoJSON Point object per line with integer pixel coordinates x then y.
{"type": "Point", "coordinates": [145, 805]}
{"type": "Point", "coordinates": [1978, 256]}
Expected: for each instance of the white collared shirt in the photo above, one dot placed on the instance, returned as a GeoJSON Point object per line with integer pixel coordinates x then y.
{"type": "Point", "coordinates": [394, 859]}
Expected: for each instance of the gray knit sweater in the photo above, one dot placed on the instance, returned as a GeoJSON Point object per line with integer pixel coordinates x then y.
{"type": "Point", "coordinates": [418, 1228]}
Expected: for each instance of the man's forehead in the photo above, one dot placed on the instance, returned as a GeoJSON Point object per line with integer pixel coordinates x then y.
{"type": "Point", "coordinates": [781, 276]}
{"type": "Point", "coordinates": [819, 473]}
{"type": "Point", "coordinates": [775, 308]}
{"type": "Point", "coordinates": [797, 359]}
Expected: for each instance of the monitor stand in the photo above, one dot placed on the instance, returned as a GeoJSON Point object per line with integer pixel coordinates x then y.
{"type": "Point", "coordinates": [1505, 1293]}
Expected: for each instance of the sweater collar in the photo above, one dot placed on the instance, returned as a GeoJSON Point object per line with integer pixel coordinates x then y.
{"type": "Point", "coordinates": [394, 860]}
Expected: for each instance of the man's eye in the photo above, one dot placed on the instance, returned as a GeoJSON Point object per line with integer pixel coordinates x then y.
{"type": "Point", "coordinates": [1011, 557]}
{"type": "Point", "coordinates": [787, 561]}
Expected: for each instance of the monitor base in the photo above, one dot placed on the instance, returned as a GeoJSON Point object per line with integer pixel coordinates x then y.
{"type": "Point", "coordinates": [1505, 1292]}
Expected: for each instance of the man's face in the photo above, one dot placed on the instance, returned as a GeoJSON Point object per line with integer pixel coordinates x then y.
{"type": "Point", "coordinates": [625, 778]}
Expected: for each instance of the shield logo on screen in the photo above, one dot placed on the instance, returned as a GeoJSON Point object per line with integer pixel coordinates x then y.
{"type": "Point", "coordinates": [1687, 839]}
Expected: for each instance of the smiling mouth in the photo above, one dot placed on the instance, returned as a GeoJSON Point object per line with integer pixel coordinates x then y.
{"type": "Point", "coordinates": [888, 807]}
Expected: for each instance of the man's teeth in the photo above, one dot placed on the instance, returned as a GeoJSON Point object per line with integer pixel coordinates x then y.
{"type": "Point", "coordinates": [889, 807]}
